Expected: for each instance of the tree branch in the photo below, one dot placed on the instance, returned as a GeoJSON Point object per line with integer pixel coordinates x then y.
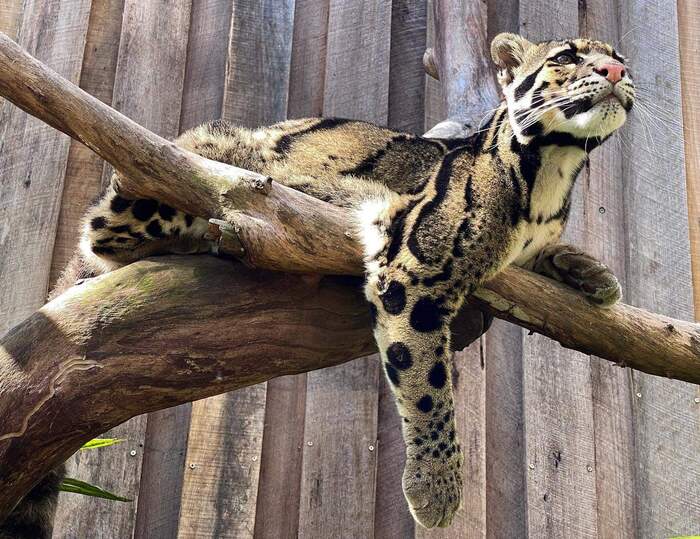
{"type": "Point", "coordinates": [195, 328]}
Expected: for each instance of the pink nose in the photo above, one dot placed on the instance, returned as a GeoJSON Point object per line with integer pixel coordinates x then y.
{"type": "Point", "coordinates": [612, 71]}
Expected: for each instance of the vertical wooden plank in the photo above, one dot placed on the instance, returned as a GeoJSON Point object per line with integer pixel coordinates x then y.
{"type": "Point", "coordinates": [308, 69]}
{"type": "Point", "coordinates": [340, 440]}
{"type": "Point", "coordinates": [666, 419]}
{"type": "Point", "coordinates": [689, 39]}
{"type": "Point", "coordinates": [259, 62]}
{"type": "Point", "coordinates": [207, 51]}
{"type": "Point", "coordinates": [279, 488]}
{"type": "Point", "coordinates": [604, 224]}
{"type": "Point", "coordinates": [32, 162]}
{"type": "Point", "coordinates": [434, 99]}
{"type": "Point", "coordinates": [406, 113]}
{"type": "Point", "coordinates": [358, 35]}
{"type": "Point", "coordinates": [406, 74]}
{"type": "Point", "coordinates": [557, 393]}
{"type": "Point", "coordinates": [10, 16]}
{"type": "Point", "coordinates": [506, 510]}
{"type": "Point", "coordinates": [277, 512]}
{"type": "Point", "coordinates": [503, 16]}
{"type": "Point", "coordinates": [224, 451]}
{"type": "Point", "coordinates": [84, 171]}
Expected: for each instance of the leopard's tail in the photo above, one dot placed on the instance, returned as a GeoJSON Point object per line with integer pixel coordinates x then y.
{"type": "Point", "coordinates": [33, 516]}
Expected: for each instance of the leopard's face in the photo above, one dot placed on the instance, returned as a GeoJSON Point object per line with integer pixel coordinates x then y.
{"type": "Point", "coordinates": [579, 87]}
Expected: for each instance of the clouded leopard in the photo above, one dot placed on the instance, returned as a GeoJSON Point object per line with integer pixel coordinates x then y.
{"type": "Point", "coordinates": [436, 218]}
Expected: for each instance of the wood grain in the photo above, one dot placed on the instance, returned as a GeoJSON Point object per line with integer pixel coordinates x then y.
{"type": "Point", "coordinates": [207, 53]}
{"type": "Point", "coordinates": [435, 110]}
{"type": "Point", "coordinates": [406, 75]}
{"type": "Point", "coordinates": [223, 501]}
{"type": "Point", "coordinates": [33, 161]}
{"type": "Point", "coordinates": [308, 67]}
{"type": "Point", "coordinates": [84, 169]}
{"type": "Point", "coordinates": [666, 419]}
{"type": "Point", "coordinates": [689, 44]}
{"type": "Point", "coordinates": [196, 296]}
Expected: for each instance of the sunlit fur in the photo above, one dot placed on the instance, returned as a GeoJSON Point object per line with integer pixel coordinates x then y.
{"type": "Point", "coordinates": [436, 218]}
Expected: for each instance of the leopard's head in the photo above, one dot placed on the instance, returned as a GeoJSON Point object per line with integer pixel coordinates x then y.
{"type": "Point", "coordinates": [578, 87]}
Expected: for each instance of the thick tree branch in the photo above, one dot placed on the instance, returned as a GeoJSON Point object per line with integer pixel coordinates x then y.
{"type": "Point", "coordinates": [167, 331]}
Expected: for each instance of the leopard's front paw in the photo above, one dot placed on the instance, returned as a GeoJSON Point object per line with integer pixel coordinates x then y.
{"type": "Point", "coordinates": [433, 487]}
{"type": "Point", "coordinates": [582, 272]}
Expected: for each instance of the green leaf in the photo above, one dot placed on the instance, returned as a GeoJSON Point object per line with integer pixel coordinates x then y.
{"type": "Point", "coordinates": [102, 442]}
{"type": "Point", "coordinates": [81, 487]}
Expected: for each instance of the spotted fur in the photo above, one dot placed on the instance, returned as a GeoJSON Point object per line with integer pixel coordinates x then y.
{"type": "Point", "coordinates": [436, 217]}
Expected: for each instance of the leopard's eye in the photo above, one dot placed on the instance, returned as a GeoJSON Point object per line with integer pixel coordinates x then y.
{"type": "Point", "coordinates": [566, 58]}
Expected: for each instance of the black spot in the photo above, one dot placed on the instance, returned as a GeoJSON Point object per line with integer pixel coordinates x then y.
{"type": "Point", "coordinates": [439, 351]}
{"type": "Point", "coordinates": [451, 436]}
{"type": "Point", "coordinates": [392, 374]}
{"type": "Point", "coordinates": [98, 222]}
{"type": "Point", "coordinates": [442, 446]}
{"type": "Point", "coordinates": [438, 375]}
{"type": "Point", "coordinates": [434, 435]}
{"type": "Point", "coordinates": [98, 250]}
{"type": "Point", "coordinates": [136, 235]}
{"type": "Point", "coordinates": [436, 453]}
{"type": "Point", "coordinates": [104, 240]}
{"type": "Point", "coordinates": [122, 240]}
{"type": "Point", "coordinates": [154, 229]}
{"type": "Point", "coordinates": [418, 440]}
{"type": "Point", "coordinates": [399, 356]}
{"type": "Point", "coordinates": [120, 229]}
{"type": "Point", "coordinates": [426, 315]}
{"type": "Point", "coordinates": [440, 426]}
{"type": "Point", "coordinates": [189, 220]}
{"type": "Point", "coordinates": [119, 204]}
{"type": "Point", "coordinates": [425, 404]}
{"type": "Point", "coordinates": [469, 194]}
{"type": "Point", "coordinates": [394, 299]}
{"type": "Point", "coordinates": [166, 212]}
{"type": "Point", "coordinates": [144, 208]}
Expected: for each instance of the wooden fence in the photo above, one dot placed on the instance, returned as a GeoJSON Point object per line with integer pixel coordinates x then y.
{"type": "Point", "coordinates": [558, 444]}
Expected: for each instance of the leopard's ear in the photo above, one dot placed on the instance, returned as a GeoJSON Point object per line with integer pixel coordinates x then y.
{"type": "Point", "coordinates": [508, 52]}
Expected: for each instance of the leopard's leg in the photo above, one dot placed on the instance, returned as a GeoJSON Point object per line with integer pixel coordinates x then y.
{"type": "Point", "coordinates": [118, 231]}
{"type": "Point", "coordinates": [570, 265]}
{"type": "Point", "coordinates": [412, 330]}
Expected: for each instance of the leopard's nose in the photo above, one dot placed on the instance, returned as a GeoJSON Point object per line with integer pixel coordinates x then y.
{"type": "Point", "coordinates": [611, 71]}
